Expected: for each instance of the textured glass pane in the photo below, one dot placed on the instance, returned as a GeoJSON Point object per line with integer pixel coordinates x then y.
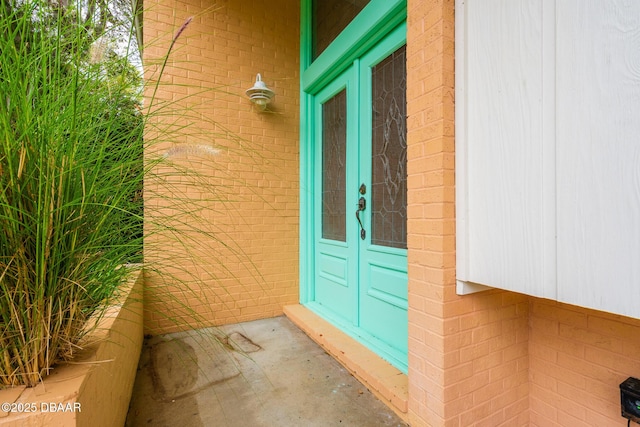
{"type": "Point", "coordinates": [330, 17]}
{"type": "Point", "coordinates": [334, 149]}
{"type": "Point", "coordinates": [389, 152]}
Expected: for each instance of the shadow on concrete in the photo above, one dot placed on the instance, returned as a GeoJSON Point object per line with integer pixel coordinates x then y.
{"type": "Point", "coordinates": [261, 373]}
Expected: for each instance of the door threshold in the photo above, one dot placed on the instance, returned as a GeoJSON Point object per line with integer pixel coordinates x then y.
{"type": "Point", "coordinates": [384, 380]}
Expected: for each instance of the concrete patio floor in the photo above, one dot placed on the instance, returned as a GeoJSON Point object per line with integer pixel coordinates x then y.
{"type": "Point", "coordinates": [261, 373]}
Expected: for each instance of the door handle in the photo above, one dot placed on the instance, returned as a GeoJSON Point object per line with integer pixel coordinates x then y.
{"type": "Point", "coordinates": [362, 205]}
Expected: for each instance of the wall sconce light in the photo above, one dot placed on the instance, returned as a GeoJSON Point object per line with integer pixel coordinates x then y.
{"type": "Point", "coordinates": [630, 400]}
{"type": "Point", "coordinates": [260, 94]}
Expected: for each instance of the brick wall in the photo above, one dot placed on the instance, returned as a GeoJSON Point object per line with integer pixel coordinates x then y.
{"type": "Point", "coordinates": [492, 358]}
{"type": "Point", "coordinates": [578, 359]}
{"type": "Point", "coordinates": [468, 359]}
{"type": "Point", "coordinates": [430, 210]}
{"type": "Point", "coordinates": [242, 262]}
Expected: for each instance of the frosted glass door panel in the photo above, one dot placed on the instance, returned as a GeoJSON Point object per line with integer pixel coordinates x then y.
{"type": "Point", "coordinates": [389, 152]}
{"type": "Point", "coordinates": [334, 157]}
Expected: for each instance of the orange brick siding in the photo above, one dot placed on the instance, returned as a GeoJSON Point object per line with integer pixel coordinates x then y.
{"type": "Point", "coordinates": [468, 356]}
{"type": "Point", "coordinates": [430, 205]}
{"type": "Point", "coordinates": [578, 359]}
{"type": "Point", "coordinates": [243, 264]}
{"type": "Point", "coordinates": [488, 359]}
{"type": "Point", "coordinates": [493, 358]}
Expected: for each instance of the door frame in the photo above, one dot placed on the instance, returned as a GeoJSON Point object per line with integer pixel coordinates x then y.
{"type": "Point", "coordinates": [378, 20]}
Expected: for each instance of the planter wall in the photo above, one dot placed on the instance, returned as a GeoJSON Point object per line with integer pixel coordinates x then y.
{"type": "Point", "coordinates": [94, 389]}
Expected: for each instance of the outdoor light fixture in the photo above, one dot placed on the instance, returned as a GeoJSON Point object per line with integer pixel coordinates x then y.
{"type": "Point", "coordinates": [630, 399]}
{"type": "Point", "coordinates": [260, 94]}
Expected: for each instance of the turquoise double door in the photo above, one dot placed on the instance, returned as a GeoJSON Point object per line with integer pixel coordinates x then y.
{"type": "Point", "coordinates": [360, 200]}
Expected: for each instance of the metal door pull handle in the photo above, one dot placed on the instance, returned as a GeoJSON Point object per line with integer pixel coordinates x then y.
{"type": "Point", "coordinates": [362, 205]}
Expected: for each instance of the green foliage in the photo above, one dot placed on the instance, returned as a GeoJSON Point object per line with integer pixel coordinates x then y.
{"type": "Point", "coordinates": [71, 179]}
{"type": "Point", "coordinates": [71, 176]}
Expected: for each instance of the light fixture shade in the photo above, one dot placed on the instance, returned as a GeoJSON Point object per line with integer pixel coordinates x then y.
{"type": "Point", "coordinates": [260, 94]}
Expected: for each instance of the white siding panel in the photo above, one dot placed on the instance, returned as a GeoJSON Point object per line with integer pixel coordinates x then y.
{"type": "Point", "coordinates": [548, 150]}
{"type": "Point", "coordinates": [598, 154]}
{"type": "Point", "coordinates": [504, 209]}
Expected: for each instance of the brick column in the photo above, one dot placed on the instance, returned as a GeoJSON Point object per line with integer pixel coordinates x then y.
{"type": "Point", "coordinates": [468, 356]}
{"type": "Point", "coordinates": [431, 223]}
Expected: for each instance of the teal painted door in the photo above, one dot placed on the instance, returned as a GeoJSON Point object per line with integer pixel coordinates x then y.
{"type": "Point", "coordinates": [359, 179]}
